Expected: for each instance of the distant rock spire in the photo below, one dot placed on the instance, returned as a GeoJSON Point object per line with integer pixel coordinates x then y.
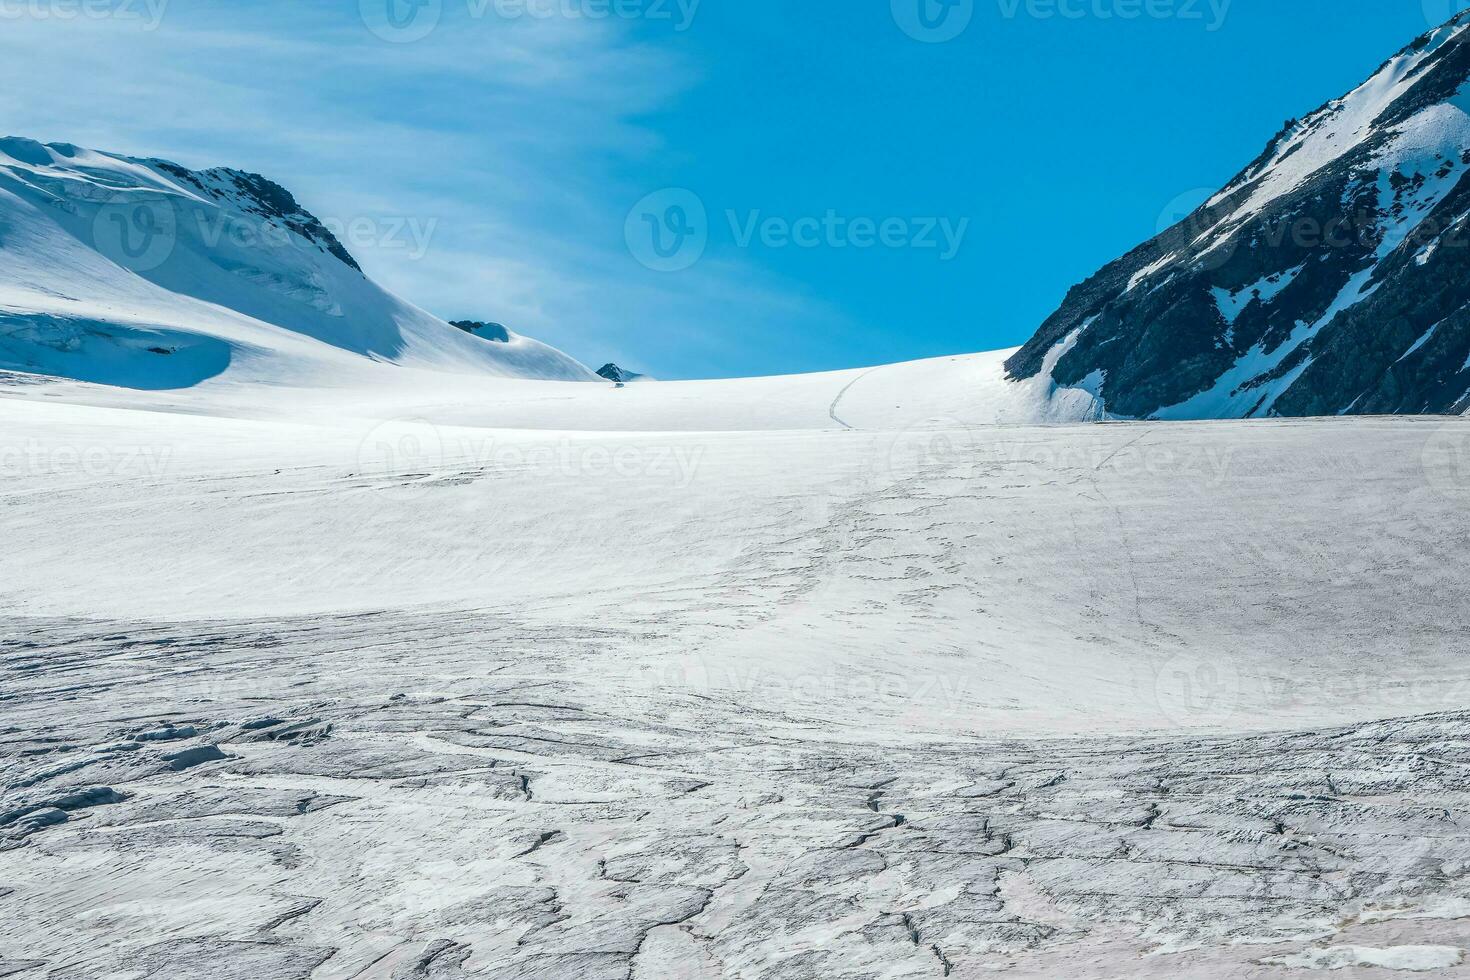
{"type": "Point", "coordinates": [620, 375]}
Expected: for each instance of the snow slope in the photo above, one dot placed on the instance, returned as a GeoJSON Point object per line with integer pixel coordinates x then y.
{"type": "Point", "coordinates": [139, 273]}
{"type": "Point", "coordinates": [968, 390]}
{"type": "Point", "coordinates": [787, 679]}
{"type": "Point", "coordinates": [1054, 568]}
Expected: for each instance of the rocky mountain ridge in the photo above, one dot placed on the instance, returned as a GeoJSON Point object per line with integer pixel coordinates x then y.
{"type": "Point", "coordinates": [1332, 276]}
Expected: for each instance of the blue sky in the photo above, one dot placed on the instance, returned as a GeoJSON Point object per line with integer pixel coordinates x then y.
{"type": "Point", "coordinates": [703, 188]}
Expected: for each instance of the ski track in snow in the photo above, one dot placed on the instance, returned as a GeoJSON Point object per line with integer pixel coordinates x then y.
{"type": "Point", "coordinates": [832, 412]}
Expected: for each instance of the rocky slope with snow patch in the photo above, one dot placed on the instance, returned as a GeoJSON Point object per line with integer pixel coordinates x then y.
{"type": "Point", "coordinates": [1332, 276]}
{"type": "Point", "coordinates": [619, 374]}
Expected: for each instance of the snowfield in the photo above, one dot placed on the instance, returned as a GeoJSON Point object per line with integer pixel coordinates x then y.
{"type": "Point", "coordinates": [337, 643]}
{"type": "Point", "coordinates": [871, 674]}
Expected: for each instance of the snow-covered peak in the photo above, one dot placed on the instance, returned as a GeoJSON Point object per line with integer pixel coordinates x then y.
{"type": "Point", "coordinates": [1306, 146]}
{"type": "Point", "coordinates": [1309, 285]}
{"type": "Point", "coordinates": [142, 273]}
{"type": "Point", "coordinates": [254, 194]}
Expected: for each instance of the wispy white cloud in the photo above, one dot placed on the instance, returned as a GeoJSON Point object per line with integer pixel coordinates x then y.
{"type": "Point", "coordinates": [512, 145]}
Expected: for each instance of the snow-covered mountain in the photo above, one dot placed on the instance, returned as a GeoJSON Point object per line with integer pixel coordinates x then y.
{"type": "Point", "coordinates": [1332, 276]}
{"type": "Point", "coordinates": [143, 274]}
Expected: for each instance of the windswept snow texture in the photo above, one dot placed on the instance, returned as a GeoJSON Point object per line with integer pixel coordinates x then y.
{"type": "Point", "coordinates": [835, 677]}
{"type": "Point", "coordinates": [1307, 286]}
{"type": "Point", "coordinates": [142, 274]}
